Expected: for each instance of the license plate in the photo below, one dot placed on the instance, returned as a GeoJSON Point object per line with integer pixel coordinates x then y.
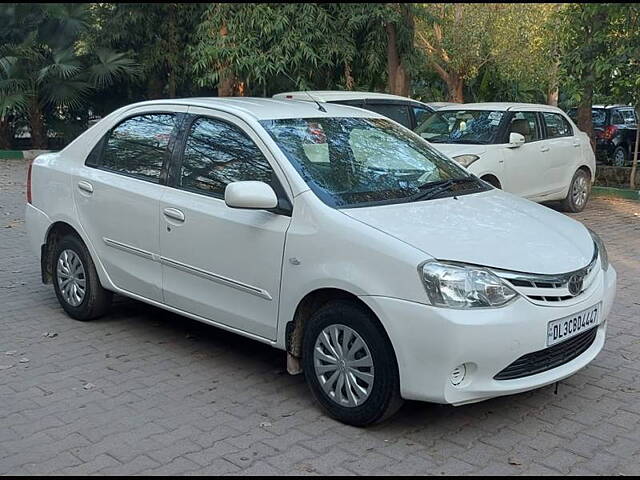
{"type": "Point", "coordinates": [565, 328]}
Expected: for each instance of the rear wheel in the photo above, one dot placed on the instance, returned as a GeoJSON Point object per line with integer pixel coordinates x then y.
{"type": "Point", "coordinates": [76, 281]}
{"type": "Point", "coordinates": [350, 365]}
{"type": "Point", "coordinates": [579, 192]}
{"type": "Point", "coordinates": [620, 155]}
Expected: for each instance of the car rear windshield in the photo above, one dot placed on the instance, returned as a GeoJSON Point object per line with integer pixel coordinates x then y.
{"type": "Point", "coordinates": [461, 126]}
{"type": "Point", "coordinates": [351, 162]}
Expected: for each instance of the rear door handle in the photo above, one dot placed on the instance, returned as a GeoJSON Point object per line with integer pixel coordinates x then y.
{"type": "Point", "coordinates": [85, 186]}
{"type": "Point", "coordinates": [576, 144]}
{"type": "Point", "coordinates": [174, 214]}
{"type": "Point", "coordinates": [544, 149]}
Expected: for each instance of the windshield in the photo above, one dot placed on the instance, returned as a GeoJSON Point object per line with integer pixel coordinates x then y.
{"type": "Point", "coordinates": [351, 162]}
{"type": "Point", "coordinates": [461, 126]}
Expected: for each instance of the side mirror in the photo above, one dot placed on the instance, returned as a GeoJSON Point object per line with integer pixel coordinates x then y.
{"type": "Point", "coordinates": [515, 140]}
{"type": "Point", "coordinates": [250, 195]}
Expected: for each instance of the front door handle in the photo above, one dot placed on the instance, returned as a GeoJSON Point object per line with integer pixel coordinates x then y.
{"type": "Point", "coordinates": [85, 186]}
{"type": "Point", "coordinates": [174, 214]}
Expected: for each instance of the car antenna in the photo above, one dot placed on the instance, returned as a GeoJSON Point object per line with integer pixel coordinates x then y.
{"type": "Point", "coordinates": [320, 107]}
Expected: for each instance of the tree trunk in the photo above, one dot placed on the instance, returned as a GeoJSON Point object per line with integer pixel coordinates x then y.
{"type": "Point", "coordinates": [154, 86]}
{"type": "Point", "coordinates": [36, 125]}
{"type": "Point", "coordinates": [584, 118]}
{"type": "Point", "coordinates": [455, 85]}
{"type": "Point", "coordinates": [6, 133]}
{"type": "Point", "coordinates": [393, 60]}
{"type": "Point", "coordinates": [397, 78]}
{"type": "Point", "coordinates": [552, 92]}
{"type": "Point", "coordinates": [634, 165]}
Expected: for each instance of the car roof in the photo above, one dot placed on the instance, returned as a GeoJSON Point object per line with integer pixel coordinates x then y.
{"type": "Point", "coordinates": [501, 106]}
{"type": "Point", "coordinates": [617, 105]}
{"type": "Point", "coordinates": [265, 108]}
{"type": "Point", "coordinates": [340, 95]}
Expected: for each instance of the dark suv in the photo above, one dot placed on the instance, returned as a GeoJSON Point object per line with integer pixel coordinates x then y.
{"type": "Point", "coordinates": [615, 128]}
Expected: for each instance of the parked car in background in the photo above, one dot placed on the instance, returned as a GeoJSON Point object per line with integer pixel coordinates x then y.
{"type": "Point", "coordinates": [383, 268]}
{"type": "Point", "coordinates": [534, 151]}
{"type": "Point", "coordinates": [406, 111]}
{"type": "Point", "coordinates": [614, 127]}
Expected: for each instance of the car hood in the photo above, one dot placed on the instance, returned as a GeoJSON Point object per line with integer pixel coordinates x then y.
{"type": "Point", "coordinates": [493, 228]}
{"type": "Point", "coordinates": [454, 149]}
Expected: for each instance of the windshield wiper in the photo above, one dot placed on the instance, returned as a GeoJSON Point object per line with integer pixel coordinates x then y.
{"type": "Point", "coordinates": [433, 189]}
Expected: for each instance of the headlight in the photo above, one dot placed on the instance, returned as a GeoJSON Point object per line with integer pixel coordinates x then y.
{"type": "Point", "coordinates": [466, 160]}
{"type": "Point", "coordinates": [602, 250]}
{"type": "Point", "coordinates": [463, 286]}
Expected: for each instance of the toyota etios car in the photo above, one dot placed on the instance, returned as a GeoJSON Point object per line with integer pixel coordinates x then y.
{"type": "Point", "coordinates": [383, 268]}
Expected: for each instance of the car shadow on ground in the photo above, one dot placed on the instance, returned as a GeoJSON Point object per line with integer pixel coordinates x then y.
{"type": "Point", "coordinates": [192, 338]}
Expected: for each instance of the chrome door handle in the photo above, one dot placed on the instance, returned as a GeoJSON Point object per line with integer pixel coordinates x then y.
{"type": "Point", "coordinates": [174, 214]}
{"type": "Point", "coordinates": [85, 186]}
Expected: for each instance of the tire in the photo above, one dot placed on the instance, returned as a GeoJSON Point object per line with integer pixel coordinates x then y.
{"type": "Point", "coordinates": [383, 397]}
{"type": "Point", "coordinates": [493, 181]}
{"type": "Point", "coordinates": [73, 264]}
{"type": "Point", "coordinates": [579, 191]}
{"type": "Point", "coordinates": [620, 157]}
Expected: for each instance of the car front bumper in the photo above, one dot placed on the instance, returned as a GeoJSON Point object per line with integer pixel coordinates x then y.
{"type": "Point", "coordinates": [431, 342]}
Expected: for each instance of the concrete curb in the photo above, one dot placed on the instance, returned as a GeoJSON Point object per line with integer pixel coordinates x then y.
{"type": "Point", "coordinates": [20, 154]}
{"type": "Point", "coordinates": [616, 192]}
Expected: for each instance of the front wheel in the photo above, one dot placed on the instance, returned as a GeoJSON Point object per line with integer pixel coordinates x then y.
{"type": "Point", "coordinates": [350, 365]}
{"type": "Point", "coordinates": [579, 191]}
{"type": "Point", "coordinates": [76, 281]}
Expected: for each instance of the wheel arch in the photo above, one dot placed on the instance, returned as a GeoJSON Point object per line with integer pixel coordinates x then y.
{"type": "Point", "coordinates": [310, 303]}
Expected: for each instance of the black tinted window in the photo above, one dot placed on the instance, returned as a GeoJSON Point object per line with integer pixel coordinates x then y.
{"type": "Point", "coordinates": [399, 113]}
{"type": "Point", "coordinates": [421, 114]}
{"type": "Point", "coordinates": [216, 154]}
{"type": "Point", "coordinates": [140, 145]}
{"type": "Point", "coordinates": [629, 116]}
{"type": "Point", "coordinates": [557, 125]}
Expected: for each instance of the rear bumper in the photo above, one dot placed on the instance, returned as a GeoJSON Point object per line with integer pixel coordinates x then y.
{"type": "Point", "coordinates": [430, 342]}
{"type": "Point", "coordinates": [37, 224]}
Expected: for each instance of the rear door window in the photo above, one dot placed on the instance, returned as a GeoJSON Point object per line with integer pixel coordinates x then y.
{"type": "Point", "coordinates": [394, 111]}
{"type": "Point", "coordinates": [628, 116]}
{"type": "Point", "coordinates": [140, 145]}
{"type": "Point", "coordinates": [556, 125]}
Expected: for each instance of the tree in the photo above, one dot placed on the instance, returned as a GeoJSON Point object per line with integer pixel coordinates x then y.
{"type": "Point", "coordinates": [156, 35]}
{"type": "Point", "coordinates": [625, 79]}
{"type": "Point", "coordinates": [509, 41]}
{"type": "Point", "coordinates": [42, 70]}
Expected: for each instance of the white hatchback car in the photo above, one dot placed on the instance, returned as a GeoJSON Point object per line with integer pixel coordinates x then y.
{"type": "Point", "coordinates": [534, 151]}
{"type": "Point", "coordinates": [384, 269]}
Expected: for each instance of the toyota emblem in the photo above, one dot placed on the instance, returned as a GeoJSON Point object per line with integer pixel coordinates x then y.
{"type": "Point", "coordinates": [575, 284]}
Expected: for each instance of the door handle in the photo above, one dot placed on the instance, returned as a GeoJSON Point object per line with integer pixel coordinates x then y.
{"type": "Point", "coordinates": [174, 214]}
{"type": "Point", "coordinates": [576, 144]}
{"type": "Point", "coordinates": [544, 148]}
{"type": "Point", "coordinates": [85, 186]}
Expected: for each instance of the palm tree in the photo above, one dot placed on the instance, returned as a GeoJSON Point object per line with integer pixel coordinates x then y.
{"type": "Point", "coordinates": [44, 71]}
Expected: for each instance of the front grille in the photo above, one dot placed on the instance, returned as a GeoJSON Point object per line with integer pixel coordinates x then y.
{"type": "Point", "coordinates": [550, 289]}
{"type": "Point", "coordinates": [549, 358]}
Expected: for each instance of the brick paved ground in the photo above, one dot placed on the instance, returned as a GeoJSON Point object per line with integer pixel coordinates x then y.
{"type": "Point", "coordinates": [145, 391]}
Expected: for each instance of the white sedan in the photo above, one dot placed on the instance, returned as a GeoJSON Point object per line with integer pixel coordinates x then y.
{"type": "Point", "coordinates": [534, 151]}
{"type": "Point", "coordinates": [385, 270]}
